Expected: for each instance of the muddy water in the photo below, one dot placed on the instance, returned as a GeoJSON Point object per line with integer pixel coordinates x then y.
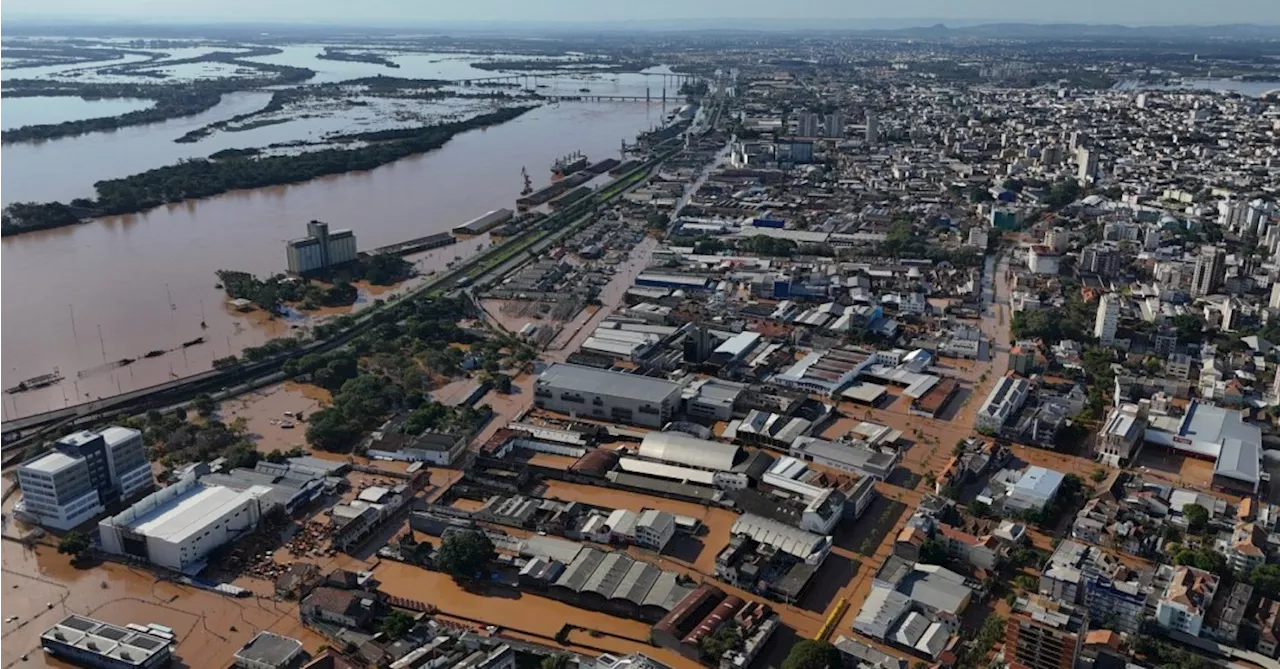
{"type": "Point", "coordinates": [202, 621]}
{"type": "Point", "coordinates": [28, 171]}
{"type": "Point", "coordinates": [264, 414]}
{"type": "Point", "coordinates": [147, 280]}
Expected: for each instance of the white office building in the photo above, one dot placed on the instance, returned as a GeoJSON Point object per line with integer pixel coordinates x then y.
{"type": "Point", "coordinates": [654, 529]}
{"type": "Point", "coordinates": [1034, 490]}
{"type": "Point", "coordinates": [320, 249]}
{"type": "Point", "coordinates": [177, 527]}
{"type": "Point", "coordinates": [1005, 399]}
{"type": "Point", "coordinates": [596, 393]}
{"type": "Point", "coordinates": [1107, 319]}
{"type": "Point", "coordinates": [1186, 598]}
{"type": "Point", "coordinates": [85, 472]}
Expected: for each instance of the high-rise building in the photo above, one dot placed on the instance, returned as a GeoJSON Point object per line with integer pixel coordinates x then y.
{"type": "Point", "coordinates": [1211, 268]}
{"type": "Point", "coordinates": [1076, 141]}
{"type": "Point", "coordinates": [1101, 259]}
{"type": "Point", "coordinates": [83, 474]}
{"type": "Point", "coordinates": [1275, 298]}
{"type": "Point", "coordinates": [834, 125]}
{"type": "Point", "coordinates": [807, 124]}
{"type": "Point", "coordinates": [320, 249]}
{"type": "Point", "coordinates": [1057, 239]}
{"type": "Point", "coordinates": [873, 128]}
{"type": "Point", "coordinates": [1086, 165]}
{"type": "Point", "coordinates": [1044, 634]}
{"type": "Point", "coordinates": [1107, 319]}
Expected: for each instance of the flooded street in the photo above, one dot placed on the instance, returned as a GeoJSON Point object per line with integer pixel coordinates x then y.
{"type": "Point", "coordinates": [206, 625]}
{"type": "Point", "coordinates": [147, 280]}
{"type": "Point", "coordinates": [527, 615]}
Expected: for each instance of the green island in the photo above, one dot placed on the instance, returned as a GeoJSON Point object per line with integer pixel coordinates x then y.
{"type": "Point", "coordinates": [204, 178]}
{"type": "Point", "coordinates": [332, 53]}
{"type": "Point", "coordinates": [172, 100]}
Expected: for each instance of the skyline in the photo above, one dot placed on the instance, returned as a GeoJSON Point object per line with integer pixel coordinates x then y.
{"type": "Point", "coordinates": [886, 13]}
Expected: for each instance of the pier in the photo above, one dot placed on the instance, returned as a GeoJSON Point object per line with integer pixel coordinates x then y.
{"type": "Point", "coordinates": [414, 245]}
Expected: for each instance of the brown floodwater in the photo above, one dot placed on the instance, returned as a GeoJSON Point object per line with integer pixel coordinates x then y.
{"type": "Point", "coordinates": [209, 627]}
{"type": "Point", "coordinates": [78, 298]}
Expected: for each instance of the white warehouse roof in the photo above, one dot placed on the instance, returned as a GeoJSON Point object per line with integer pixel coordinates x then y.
{"type": "Point", "coordinates": [683, 449]}
{"type": "Point", "coordinates": [188, 513]}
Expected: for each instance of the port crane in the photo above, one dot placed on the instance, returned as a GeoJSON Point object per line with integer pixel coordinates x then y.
{"type": "Point", "coordinates": [528, 183]}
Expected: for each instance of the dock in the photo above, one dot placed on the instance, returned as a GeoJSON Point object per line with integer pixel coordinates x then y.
{"type": "Point", "coordinates": [415, 245]}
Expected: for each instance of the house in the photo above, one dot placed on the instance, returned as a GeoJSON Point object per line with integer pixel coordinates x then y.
{"type": "Point", "coordinates": [1246, 547]}
{"type": "Point", "coordinates": [349, 608]}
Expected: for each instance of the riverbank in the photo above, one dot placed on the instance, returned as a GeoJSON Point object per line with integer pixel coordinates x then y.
{"type": "Point", "coordinates": [196, 179]}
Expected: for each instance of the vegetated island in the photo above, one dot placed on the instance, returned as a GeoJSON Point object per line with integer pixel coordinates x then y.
{"type": "Point", "coordinates": [172, 100]}
{"type": "Point", "coordinates": [378, 86]}
{"type": "Point", "coordinates": [199, 178]}
{"type": "Point", "coordinates": [332, 288]}
{"type": "Point", "coordinates": [331, 53]}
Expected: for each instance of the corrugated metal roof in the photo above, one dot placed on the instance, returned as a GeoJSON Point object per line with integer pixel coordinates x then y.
{"type": "Point", "coordinates": [577, 378]}
{"type": "Point", "coordinates": [686, 450]}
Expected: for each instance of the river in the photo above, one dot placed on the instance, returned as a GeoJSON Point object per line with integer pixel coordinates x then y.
{"type": "Point", "coordinates": [147, 280]}
{"type": "Point", "coordinates": [18, 112]}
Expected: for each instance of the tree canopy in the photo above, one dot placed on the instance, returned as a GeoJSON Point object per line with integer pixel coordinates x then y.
{"type": "Point", "coordinates": [465, 554]}
{"type": "Point", "coordinates": [811, 654]}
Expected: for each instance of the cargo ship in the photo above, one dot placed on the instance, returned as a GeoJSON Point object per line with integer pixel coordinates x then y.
{"type": "Point", "coordinates": [35, 382]}
{"type": "Point", "coordinates": [569, 164]}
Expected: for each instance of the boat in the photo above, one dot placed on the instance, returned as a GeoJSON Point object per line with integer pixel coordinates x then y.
{"type": "Point", "coordinates": [193, 342]}
{"type": "Point", "coordinates": [155, 354]}
{"type": "Point", "coordinates": [569, 164]}
{"type": "Point", "coordinates": [584, 90]}
{"type": "Point", "coordinates": [35, 382]}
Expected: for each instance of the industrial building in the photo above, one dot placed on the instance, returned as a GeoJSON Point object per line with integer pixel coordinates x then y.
{"type": "Point", "coordinates": [484, 223]}
{"type": "Point", "coordinates": [594, 393]}
{"type": "Point", "coordinates": [1214, 433]}
{"type": "Point", "coordinates": [322, 248]}
{"type": "Point", "coordinates": [177, 527]}
{"type": "Point", "coordinates": [85, 472]}
{"type": "Point", "coordinates": [92, 643]}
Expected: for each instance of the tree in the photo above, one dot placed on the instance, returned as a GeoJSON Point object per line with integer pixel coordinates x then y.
{"type": "Point", "coordinates": [1098, 475]}
{"type": "Point", "coordinates": [1197, 517]}
{"type": "Point", "coordinates": [203, 404]}
{"type": "Point", "coordinates": [554, 662]}
{"type": "Point", "coordinates": [465, 554]}
{"type": "Point", "coordinates": [811, 654]}
{"type": "Point", "coordinates": [1266, 578]}
{"type": "Point", "coordinates": [934, 551]}
{"type": "Point", "coordinates": [396, 625]}
{"type": "Point", "coordinates": [74, 544]}
{"type": "Point", "coordinates": [725, 639]}
{"type": "Point", "coordinates": [1203, 558]}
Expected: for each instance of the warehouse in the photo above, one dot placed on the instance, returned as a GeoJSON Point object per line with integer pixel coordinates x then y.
{"type": "Point", "coordinates": [595, 393]}
{"type": "Point", "coordinates": [682, 449]}
{"type": "Point", "coordinates": [179, 526]}
{"type": "Point", "coordinates": [92, 643]}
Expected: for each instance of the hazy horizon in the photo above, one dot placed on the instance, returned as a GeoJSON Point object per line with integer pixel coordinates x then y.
{"type": "Point", "coordinates": [478, 12]}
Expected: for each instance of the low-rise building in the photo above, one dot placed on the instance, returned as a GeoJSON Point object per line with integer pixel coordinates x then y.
{"type": "Point", "coordinates": [1186, 598]}
{"type": "Point", "coordinates": [86, 642]}
{"type": "Point", "coordinates": [1004, 400]}
{"type": "Point", "coordinates": [269, 651]}
{"type": "Point", "coordinates": [177, 527]}
{"type": "Point", "coordinates": [595, 393]}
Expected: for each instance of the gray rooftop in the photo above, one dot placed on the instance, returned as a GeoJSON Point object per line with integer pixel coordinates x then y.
{"type": "Point", "coordinates": [269, 648]}
{"type": "Point", "coordinates": [580, 379]}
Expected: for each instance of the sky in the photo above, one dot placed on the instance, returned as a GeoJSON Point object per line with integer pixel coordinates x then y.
{"type": "Point", "coordinates": [1130, 12]}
